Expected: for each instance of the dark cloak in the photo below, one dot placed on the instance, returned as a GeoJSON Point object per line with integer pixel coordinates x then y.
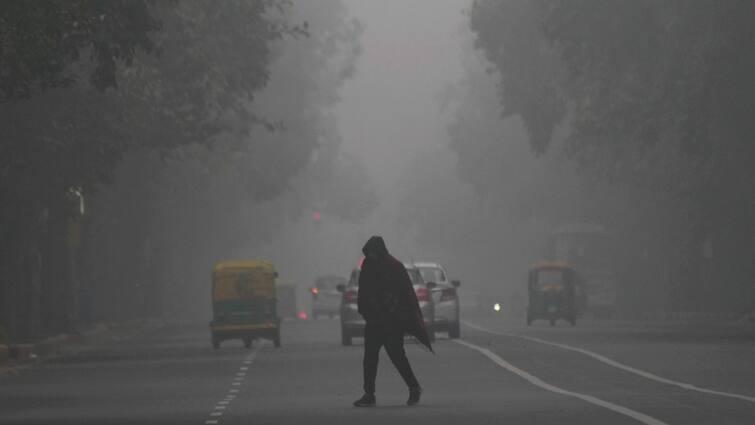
{"type": "Point", "coordinates": [386, 296]}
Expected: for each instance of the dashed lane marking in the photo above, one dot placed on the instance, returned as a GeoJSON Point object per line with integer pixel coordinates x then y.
{"type": "Point", "coordinates": [619, 365]}
{"type": "Point", "coordinates": [638, 416]}
{"type": "Point", "coordinates": [222, 405]}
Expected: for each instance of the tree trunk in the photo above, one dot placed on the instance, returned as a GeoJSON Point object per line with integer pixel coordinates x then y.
{"type": "Point", "coordinates": [59, 287]}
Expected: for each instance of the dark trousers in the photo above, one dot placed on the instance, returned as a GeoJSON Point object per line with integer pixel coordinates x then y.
{"type": "Point", "coordinates": [376, 336]}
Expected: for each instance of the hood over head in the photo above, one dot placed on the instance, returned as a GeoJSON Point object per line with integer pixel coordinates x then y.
{"type": "Point", "coordinates": [376, 246]}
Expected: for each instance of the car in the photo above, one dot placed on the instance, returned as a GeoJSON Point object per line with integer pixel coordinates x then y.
{"type": "Point", "coordinates": [326, 299]}
{"type": "Point", "coordinates": [445, 296]}
{"type": "Point", "coordinates": [352, 323]}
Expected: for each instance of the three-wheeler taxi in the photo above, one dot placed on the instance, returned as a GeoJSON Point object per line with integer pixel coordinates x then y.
{"type": "Point", "coordinates": [244, 302]}
{"type": "Point", "coordinates": [555, 292]}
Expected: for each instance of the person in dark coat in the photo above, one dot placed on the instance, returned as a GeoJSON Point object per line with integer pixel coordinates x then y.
{"type": "Point", "coordinates": [387, 301]}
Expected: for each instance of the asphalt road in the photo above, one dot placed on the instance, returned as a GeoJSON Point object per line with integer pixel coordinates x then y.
{"type": "Point", "coordinates": [500, 372]}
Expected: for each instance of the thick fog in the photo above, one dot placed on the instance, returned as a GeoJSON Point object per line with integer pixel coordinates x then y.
{"type": "Point", "coordinates": [389, 116]}
{"type": "Point", "coordinates": [201, 202]}
{"type": "Point", "coordinates": [469, 172]}
{"type": "Point", "coordinates": [484, 135]}
{"type": "Point", "coordinates": [416, 79]}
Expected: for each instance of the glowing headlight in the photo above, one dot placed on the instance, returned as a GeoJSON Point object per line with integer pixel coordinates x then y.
{"type": "Point", "coordinates": [496, 307]}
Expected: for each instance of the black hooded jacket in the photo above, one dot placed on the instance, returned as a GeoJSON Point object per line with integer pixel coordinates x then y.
{"type": "Point", "coordinates": [386, 295]}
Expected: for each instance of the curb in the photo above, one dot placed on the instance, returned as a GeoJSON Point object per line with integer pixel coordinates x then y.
{"type": "Point", "coordinates": [51, 346]}
{"type": "Point", "coordinates": [19, 356]}
{"type": "Point", "coordinates": [48, 347]}
{"type": "Point", "coordinates": [693, 316]}
{"type": "Point", "coordinates": [21, 351]}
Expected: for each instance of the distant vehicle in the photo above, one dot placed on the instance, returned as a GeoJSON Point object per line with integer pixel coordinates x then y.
{"type": "Point", "coordinates": [445, 296]}
{"type": "Point", "coordinates": [352, 323]}
{"type": "Point", "coordinates": [326, 300]}
{"type": "Point", "coordinates": [554, 290]}
{"type": "Point", "coordinates": [287, 305]}
{"type": "Point", "coordinates": [244, 302]}
{"type": "Point", "coordinates": [589, 248]}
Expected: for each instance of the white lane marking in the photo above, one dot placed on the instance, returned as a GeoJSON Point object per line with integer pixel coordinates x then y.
{"type": "Point", "coordinates": [640, 417]}
{"type": "Point", "coordinates": [619, 365]}
{"type": "Point", "coordinates": [220, 407]}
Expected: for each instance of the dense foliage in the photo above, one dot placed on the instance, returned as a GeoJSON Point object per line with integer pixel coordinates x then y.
{"type": "Point", "coordinates": [139, 136]}
{"type": "Point", "coordinates": [171, 218]}
{"type": "Point", "coordinates": [653, 98]}
{"type": "Point", "coordinates": [41, 40]}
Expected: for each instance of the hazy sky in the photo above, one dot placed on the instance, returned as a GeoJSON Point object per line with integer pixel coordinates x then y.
{"type": "Point", "coordinates": [411, 52]}
{"type": "Point", "coordinates": [389, 112]}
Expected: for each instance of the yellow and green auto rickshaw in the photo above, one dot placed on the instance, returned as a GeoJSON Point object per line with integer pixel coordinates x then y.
{"type": "Point", "coordinates": [244, 302]}
{"type": "Point", "coordinates": [555, 292]}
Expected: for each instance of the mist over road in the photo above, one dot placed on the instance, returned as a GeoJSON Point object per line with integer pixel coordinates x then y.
{"type": "Point", "coordinates": [172, 375]}
{"type": "Point", "coordinates": [584, 164]}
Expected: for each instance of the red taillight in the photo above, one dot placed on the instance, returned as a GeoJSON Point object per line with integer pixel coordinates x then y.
{"type": "Point", "coordinates": [422, 294]}
{"type": "Point", "coordinates": [350, 297]}
{"type": "Point", "coordinates": [448, 295]}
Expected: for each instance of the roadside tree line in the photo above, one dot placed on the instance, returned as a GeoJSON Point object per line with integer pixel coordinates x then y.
{"type": "Point", "coordinates": [649, 104]}
{"type": "Point", "coordinates": [142, 140]}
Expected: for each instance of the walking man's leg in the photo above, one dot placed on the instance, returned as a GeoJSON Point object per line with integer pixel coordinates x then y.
{"type": "Point", "coordinates": [372, 343]}
{"type": "Point", "coordinates": [394, 345]}
{"type": "Point", "coordinates": [373, 340]}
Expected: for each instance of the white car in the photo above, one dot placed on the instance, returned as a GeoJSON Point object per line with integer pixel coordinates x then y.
{"type": "Point", "coordinates": [446, 298]}
{"type": "Point", "coordinates": [326, 300]}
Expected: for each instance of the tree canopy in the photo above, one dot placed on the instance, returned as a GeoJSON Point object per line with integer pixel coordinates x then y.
{"type": "Point", "coordinates": [186, 126]}
{"type": "Point", "coordinates": [653, 98]}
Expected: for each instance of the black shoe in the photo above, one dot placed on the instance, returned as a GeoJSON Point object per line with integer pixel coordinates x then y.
{"type": "Point", "coordinates": [414, 394]}
{"type": "Point", "coordinates": [367, 400]}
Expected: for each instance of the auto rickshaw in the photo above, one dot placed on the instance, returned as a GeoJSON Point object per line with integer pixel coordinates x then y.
{"type": "Point", "coordinates": [555, 292]}
{"type": "Point", "coordinates": [244, 302]}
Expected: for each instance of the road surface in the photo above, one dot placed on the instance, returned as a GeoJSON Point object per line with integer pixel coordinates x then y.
{"type": "Point", "coordinates": [498, 373]}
